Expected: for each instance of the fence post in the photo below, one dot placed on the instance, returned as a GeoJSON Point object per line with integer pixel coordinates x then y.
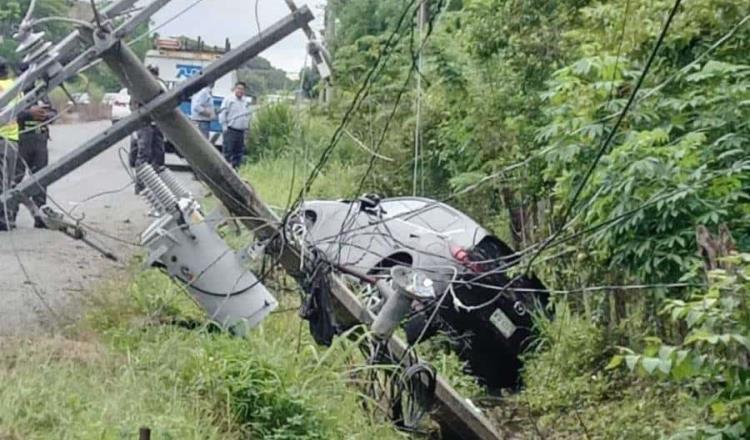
{"type": "Point", "coordinates": [144, 433]}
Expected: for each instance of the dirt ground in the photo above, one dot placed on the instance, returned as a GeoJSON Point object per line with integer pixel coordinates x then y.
{"type": "Point", "coordinates": [39, 267]}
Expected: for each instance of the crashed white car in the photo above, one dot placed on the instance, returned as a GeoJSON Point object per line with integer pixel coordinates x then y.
{"type": "Point", "coordinates": [487, 311]}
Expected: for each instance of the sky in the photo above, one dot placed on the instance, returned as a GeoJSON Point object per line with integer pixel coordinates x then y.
{"type": "Point", "coordinates": [215, 20]}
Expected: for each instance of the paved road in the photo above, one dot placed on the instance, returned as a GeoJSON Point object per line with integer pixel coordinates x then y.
{"type": "Point", "coordinates": [60, 269]}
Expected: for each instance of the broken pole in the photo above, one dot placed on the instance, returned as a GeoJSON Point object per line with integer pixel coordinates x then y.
{"type": "Point", "coordinates": [240, 198]}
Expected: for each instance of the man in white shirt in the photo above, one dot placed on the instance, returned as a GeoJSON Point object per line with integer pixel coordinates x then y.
{"type": "Point", "coordinates": [202, 109]}
{"type": "Point", "coordinates": [234, 117]}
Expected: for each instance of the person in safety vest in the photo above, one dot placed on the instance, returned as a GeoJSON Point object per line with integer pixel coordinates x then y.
{"type": "Point", "coordinates": [33, 152]}
{"type": "Point", "coordinates": [8, 153]}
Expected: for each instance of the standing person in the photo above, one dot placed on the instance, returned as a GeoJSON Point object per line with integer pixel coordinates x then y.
{"type": "Point", "coordinates": [235, 120]}
{"type": "Point", "coordinates": [149, 144]}
{"type": "Point", "coordinates": [33, 151]}
{"type": "Point", "coordinates": [202, 109]}
{"type": "Point", "coordinates": [148, 141]}
{"type": "Point", "coordinates": [8, 154]}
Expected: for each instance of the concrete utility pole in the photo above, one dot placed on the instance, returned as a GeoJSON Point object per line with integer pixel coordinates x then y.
{"type": "Point", "coordinates": [321, 59]}
{"type": "Point", "coordinates": [329, 36]}
{"type": "Point", "coordinates": [422, 18]}
{"type": "Point", "coordinates": [453, 412]}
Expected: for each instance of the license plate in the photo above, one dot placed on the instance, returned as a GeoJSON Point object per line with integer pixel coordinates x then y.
{"type": "Point", "coordinates": [500, 320]}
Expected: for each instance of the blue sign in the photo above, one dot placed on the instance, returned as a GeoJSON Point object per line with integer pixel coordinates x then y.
{"type": "Point", "coordinates": [187, 70]}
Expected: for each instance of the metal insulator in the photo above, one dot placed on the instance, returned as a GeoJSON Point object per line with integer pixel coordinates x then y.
{"type": "Point", "coordinates": [173, 184]}
{"type": "Point", "coordinates": [28, 40]}
{"type": "Point", "coordinates": [38, 54]}
{"type": "Point", "coordinates": [166, 198]}
{"type": "Point", "coordinates": [153, 201]}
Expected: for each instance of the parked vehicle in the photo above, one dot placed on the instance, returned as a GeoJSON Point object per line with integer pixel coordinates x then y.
{"type": "Point", "coordinates": [177, 63]}
{"type": "Point", "coordinates": [109, 98]}
{"type": "Point", "coordinates": [487, 312]}
{"type": "Point", "coordinates": [120, 105]}
{"type": "Point", "coordinates": [82, 98]}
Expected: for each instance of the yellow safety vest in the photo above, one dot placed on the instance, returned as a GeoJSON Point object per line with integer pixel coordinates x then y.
{"type": "Point", "coordinates": [10, 130]}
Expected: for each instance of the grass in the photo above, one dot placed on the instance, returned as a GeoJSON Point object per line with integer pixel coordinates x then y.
{"type": "Point", "coordinates": [127, 365]}
{"type": "Point", "coordinates": [130, 363]}
{"type": "Point", "coordinates": [279, 180]}
{"type": "Point", "coordinates": [568, 393]}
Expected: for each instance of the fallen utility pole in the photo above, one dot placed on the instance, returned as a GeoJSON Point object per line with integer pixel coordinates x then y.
{"type": "Point", "coordinates": [242, 200]}
{"type": "Point", "coordinates": [453, 412]}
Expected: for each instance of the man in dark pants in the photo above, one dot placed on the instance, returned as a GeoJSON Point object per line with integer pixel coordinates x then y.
{"type": "Point", "coordinates": [33, 151]}
{"type": "Point", "coordinates": [148, 142]}
{"type": "Point", "coordinates": [235, 119]}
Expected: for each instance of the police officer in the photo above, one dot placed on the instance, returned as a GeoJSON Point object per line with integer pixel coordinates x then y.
{"type": "Point", "coordinates": [33, 151]}
{"type": "Point", "coordinates": [8, 154]}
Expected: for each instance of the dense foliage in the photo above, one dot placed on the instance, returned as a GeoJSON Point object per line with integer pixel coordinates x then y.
{"type": "Point", "coordinates": [517, 99]}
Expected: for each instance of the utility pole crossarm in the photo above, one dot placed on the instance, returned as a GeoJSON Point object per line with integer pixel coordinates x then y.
{"type": "Point", "coordinates": [321, 59]}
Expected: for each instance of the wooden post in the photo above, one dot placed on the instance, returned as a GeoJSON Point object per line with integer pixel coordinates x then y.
{"type": "Point", "coordinates": [144, 433]}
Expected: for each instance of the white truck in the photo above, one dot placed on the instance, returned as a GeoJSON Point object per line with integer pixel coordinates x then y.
{"type": "Point", "coordinates": [177, 63]}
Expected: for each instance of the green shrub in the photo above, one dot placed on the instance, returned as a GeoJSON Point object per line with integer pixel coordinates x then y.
{"type": "Point", "coordinates": [133, 363]}
{"type": "Point", "coordinates": [569, 394]}
{"type": "Point", "coordinates": [563, 370]}
{"type": "Point", "coordinates": [712, 358]}
{"type": "Point", "coordinates": [271, 131]}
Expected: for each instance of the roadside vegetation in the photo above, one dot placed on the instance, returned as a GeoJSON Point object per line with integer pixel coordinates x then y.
{"type": "Point", "coordinates": [651, 282]}
{"type": "Point", "coordinates": [145, 356]}
{"type": "Point", "coordinates": [649, 338]}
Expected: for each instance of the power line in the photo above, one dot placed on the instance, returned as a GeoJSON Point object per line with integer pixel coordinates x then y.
{"type": "Point", "coordinates": [362, 92]}
{"type": "Point", "coordinates": [414, 66]}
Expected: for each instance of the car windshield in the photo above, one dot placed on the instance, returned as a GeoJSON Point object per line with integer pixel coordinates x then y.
{"type": "Point", "coordinates": [435, 216]}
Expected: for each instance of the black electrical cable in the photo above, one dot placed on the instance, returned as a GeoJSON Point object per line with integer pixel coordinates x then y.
{"type": "Point", "coordinates": [413, 394]}
{"type": "Point", "coordinates": [361, 94]}
{"type": "Point", "coordinates": [412, 68]}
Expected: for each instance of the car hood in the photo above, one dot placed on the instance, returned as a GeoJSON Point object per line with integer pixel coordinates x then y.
{"type": "Point", "coordinates": [409, 230]}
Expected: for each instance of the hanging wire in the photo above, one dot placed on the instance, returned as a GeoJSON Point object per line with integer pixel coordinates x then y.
{"type": "Point", "coordinates": [377, 67]}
